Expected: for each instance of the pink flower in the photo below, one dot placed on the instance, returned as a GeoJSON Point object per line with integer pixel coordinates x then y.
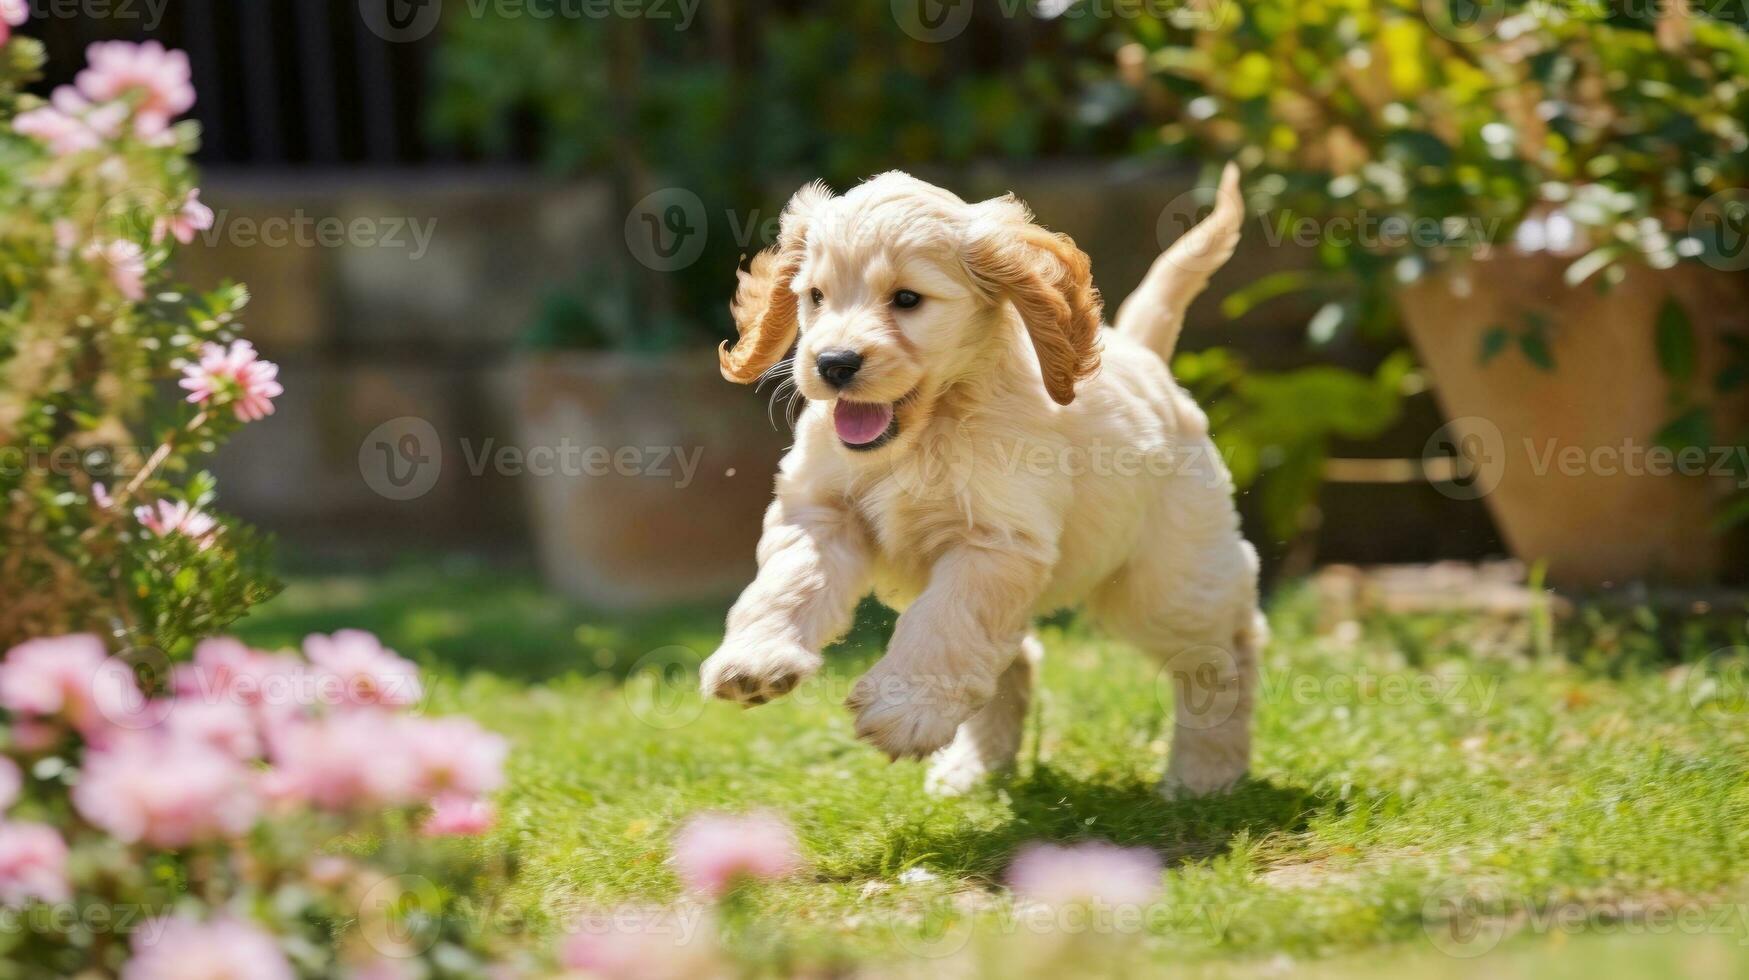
{"type": "Point", "coordinates": [33, 864]}
{"type": "Point", "coordinates": [223, 725]}
{"type": "Point", "coordinates": [223, 949]}
{"type": "Point", "coordinates": [642, 944]}
{"type": "Point", "coordinates": [190, 218]}
{"type": "Point", "coordinates": [160, 79]}
{"type": "Point", "coordinates": [1090, 871]}
{"type": "Point", "coordinates": [61, 133]}
{"type": "Point", "coordinates": [459, 816]}
{"type": "Point", "coordinates": [69, 677]}
{"type": "Point", "coordinates": [177, 517]}
{"type": "Point", "coordinates": [714, 852]}
{"type": "Point", "coordinates": [363, 670]}
{"type": "Point", "coordinates": [344, 760]}
{"type": "Point", "coordinates": [125, 264]}
{"type": "Point", "coordinates": [226, 670]}
{"type": "Point", "coordinates": [166, 792]}
{"type": "Point", "coordinates": [70, 123]}
{"type": "Point", "coordinates": [454, 756]}
{"type": "Point", "coordinates": [12, 14]}
{"type": "Point", "coordinates": [237, 373]}
{"type": "Point", "coordinates": [11, 783]}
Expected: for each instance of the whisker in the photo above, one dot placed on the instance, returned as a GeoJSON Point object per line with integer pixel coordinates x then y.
{"type": "Point", "coordinates": [777, 393]}
{"type": "Point", "coordinates": [780, 368]}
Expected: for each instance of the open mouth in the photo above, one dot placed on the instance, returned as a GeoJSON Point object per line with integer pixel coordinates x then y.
{"type": "Point", "coordinates": [864, 425]}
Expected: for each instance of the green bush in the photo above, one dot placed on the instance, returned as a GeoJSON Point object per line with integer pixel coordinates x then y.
{"type": "Point", "coordinates": [740, 109]}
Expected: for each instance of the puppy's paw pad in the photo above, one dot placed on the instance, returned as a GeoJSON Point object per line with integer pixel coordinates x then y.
{"type": "Point", "coordinates": [754, 676]}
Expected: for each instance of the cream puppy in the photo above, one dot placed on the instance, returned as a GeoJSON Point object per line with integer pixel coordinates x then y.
{"type": "Point", "coordinates": [977, 450]}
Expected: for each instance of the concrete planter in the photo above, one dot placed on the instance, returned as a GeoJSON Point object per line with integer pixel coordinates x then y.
{"type": "Point", "coordinates": [1565, 457]}
{"type": "Point", "coordinates": [646, 478]}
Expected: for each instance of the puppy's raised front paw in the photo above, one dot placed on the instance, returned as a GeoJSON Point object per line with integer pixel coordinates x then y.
{"type": "Point", "coordinates": [751, 673]}
{"type": "Point", "coordinates": [905, 719]}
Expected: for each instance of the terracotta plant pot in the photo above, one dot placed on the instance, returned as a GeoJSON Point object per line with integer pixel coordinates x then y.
{"type": "Point", "coordinates": [1563, 451]}
{"type": "Point", "coordinates": [646, 477]}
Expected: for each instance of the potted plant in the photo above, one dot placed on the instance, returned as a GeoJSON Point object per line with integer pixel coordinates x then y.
{"type": "Point", "coordinates": [645, 474]}
{"type": "Point", "coordinates": [1548, 197]}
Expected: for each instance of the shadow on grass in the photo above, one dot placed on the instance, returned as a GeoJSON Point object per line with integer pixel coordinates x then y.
{"type": "Point", "coordinates": [466, 615]}
{"type": "Point", "coordinates": [1050, 805]}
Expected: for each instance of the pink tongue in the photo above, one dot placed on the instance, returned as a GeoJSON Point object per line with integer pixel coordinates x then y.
{"type": "Point", "coordinates": [860, 423]}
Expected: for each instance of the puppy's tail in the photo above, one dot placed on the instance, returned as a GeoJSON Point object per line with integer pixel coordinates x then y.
{"type": "Point", "coordinates": [1154, 313]}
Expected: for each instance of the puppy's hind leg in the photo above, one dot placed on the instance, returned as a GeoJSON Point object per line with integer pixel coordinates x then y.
{"type": "Point", "coordinates": [1214, 686]}
{"type": "Point", "coordinates": [990, 740]}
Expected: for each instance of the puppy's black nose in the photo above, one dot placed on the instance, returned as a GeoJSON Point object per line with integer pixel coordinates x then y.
{"type": "Point", "coordinates": [838, 366]}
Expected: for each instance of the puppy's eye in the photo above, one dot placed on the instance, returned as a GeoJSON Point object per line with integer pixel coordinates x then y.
{"type": "Point", "coordinates": [905, 299]}
{"type": "Point", "coordinates": [817, 296]}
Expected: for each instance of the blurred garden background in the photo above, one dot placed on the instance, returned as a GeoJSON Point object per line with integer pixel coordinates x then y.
{"type": "Point", "coordinates": [1480, 367]}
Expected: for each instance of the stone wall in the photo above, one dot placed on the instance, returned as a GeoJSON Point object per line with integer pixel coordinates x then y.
{"type": "Point", "coordinates": [388, 296]}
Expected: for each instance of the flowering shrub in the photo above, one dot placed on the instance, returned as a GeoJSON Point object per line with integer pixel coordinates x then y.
{"type": "Point", "coordinates": [251, 821]}
{"type": "Point", "coordinates": [106, 526]}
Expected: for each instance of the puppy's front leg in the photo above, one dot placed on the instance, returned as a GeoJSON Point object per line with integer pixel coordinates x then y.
{"type": "Point", "coordinates": [813, 566]}
{"type": "Point", "coordinates": [948, 650]}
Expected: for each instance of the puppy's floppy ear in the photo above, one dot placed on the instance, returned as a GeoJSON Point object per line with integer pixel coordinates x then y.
{"type": "Point", "coordinates": [764, 306]}
{"type": "Point", "coordinates": [1049, 280]}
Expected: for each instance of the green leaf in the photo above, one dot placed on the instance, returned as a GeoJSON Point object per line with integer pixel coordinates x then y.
{"type": "Point", "coordinates": [1535, 345]}
{"type": "Point", "coordinates": [1587, 265]}
{"type": "Point", "coordinates": [1676, 355]}
{"type": "Point", "coordinates": [1690, 429]}
{"type": "Point", "coordinates": [1493, 342]}
{"type": "Point", "coordinates": [1244, 299]}
{"type": "Point", "coordinates": [1734, 512]}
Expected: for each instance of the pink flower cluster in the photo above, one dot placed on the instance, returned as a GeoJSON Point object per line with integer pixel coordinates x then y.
{"type": "Point", "coordinates": [225, 948]}
{"type": "Point", "coordinates": [158, 83]}
{"type": "Point", "coordinates": [1092, 871]}
{"type": "Point", "coordinates": [241, 733]}
{"type": "Point", "coordinates": [144, 82]}
{"type": "Point", "coordinates": [177, 517]}
{"type": "Point", "coordinates": [236, 376]}
{"type": "Point", "coordinates": [714, 852]}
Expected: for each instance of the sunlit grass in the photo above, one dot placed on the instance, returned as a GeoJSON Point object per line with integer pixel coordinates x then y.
{"type": "Point", "coordinates": [1402, 779]}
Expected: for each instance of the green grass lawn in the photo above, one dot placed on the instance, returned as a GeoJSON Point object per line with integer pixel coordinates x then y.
{"type": "Point", "coordinates": [1422, 787]}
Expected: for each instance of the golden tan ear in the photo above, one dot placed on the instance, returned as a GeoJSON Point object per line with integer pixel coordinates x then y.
{"type": "Point", "coordinates": [764, 306]}
{"type": "Point", "coordinates": [1050, 282]}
